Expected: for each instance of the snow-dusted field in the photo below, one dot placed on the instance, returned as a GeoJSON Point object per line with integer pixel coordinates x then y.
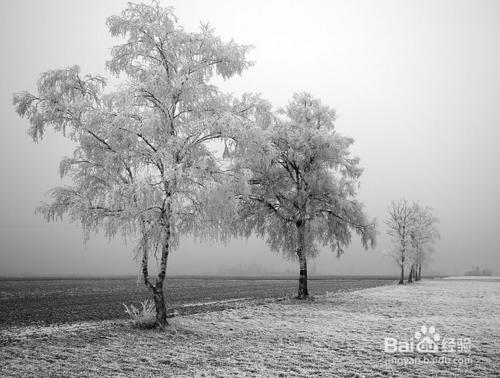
{"type": "Point", "coordinates": [341, 334]}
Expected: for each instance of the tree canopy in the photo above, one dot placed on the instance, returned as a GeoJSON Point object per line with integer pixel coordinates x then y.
{"type": "Point", "coordinates": [142, 165]}
{"type": "Point", "coordinates": [302, 183]}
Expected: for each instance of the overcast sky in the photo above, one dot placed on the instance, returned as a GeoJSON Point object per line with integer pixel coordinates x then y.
{"type": "Point", "coordinates": [416, 83]}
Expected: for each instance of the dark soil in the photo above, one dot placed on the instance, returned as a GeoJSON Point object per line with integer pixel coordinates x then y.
{"type": "Point", "coordinates": [50, 301]}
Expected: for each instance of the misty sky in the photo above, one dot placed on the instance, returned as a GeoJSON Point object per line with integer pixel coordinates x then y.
{"type": "Point", "coordinates": [416, 83]}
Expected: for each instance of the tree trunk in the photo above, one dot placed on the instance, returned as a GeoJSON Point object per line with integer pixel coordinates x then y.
{"type": "Point", "coordinates": [158, 296]}
{"type": "Point", "coordinates": [157, 288]}
{"type": "Point", "coordinates": [419, 272]}
{"type": "Point", "coordinates": [415, 273]}
{"type": "Point", "coordinates": [402, 278]}
{"type": "Point", "coordinates": [161, 308]}
{"type": "Point", "coordinates": [410, 275]}
{"type": "Point", "coordinates": [303, 292]}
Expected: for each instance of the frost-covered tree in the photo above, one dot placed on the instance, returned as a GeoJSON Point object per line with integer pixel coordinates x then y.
{"type": "Point", "coordinates": [400, 224]}
{"type": "Point", "coordinates": [423, 234]}
{"type": "Point", "coordinates": [413, 230]}
{"type": "Point", "coordinates": [142, 164]}
{"type": "Point", "coordinates": [301, 183]}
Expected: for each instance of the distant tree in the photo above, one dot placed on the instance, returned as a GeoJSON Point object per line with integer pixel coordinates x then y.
{"type": "Point", "coordinates": [142, 165]}
{"type": "Point", "coordinates": [400, 223]}
{"type": "Point", "coordinates": [423, 234]}
{"type": "Point", "coordinates": [299, 184]}
{"type": "Point", "coordinates": [413, 230]}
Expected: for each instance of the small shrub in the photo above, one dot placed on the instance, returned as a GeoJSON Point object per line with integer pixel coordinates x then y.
{"type": "Point", "coordinates": [145, 317]}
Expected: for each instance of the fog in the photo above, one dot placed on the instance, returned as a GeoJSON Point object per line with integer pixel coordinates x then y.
{"type": "Point", "coordinates": [415, 83]}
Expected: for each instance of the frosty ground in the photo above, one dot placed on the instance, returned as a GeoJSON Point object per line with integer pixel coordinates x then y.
{"type": "Point", "coordinates": [340, 334]}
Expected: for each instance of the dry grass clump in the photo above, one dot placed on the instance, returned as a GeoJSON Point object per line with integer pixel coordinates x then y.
{"type": "Point", "coordinates": [144, 318]}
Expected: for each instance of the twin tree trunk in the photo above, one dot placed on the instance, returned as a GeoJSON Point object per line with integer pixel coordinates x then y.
{"type": "Point", "coordinates": [303, 292]}
{"type": "Point", "coordinates": [161, 308]}
{"type": "Point", "coordinates": [415, 273]}
{"type": "Point", "coordinates": [157, 287]}
{"type": "Point", "coordinates": [159, 298]}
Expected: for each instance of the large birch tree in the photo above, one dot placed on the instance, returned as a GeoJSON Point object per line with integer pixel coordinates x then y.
{"type": "Point", "coordinates": [142, 165]}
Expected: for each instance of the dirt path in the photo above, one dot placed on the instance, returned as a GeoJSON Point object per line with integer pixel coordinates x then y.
{"type": "Point", "coordinates": [340, 334]}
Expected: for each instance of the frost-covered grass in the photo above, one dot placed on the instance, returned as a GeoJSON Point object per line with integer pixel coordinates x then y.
{"type": "Point", "coordinates": [340, 334]}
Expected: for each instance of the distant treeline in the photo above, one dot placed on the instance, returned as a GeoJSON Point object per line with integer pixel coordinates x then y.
{"type": "Point", "coordinates": [476, 271]}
